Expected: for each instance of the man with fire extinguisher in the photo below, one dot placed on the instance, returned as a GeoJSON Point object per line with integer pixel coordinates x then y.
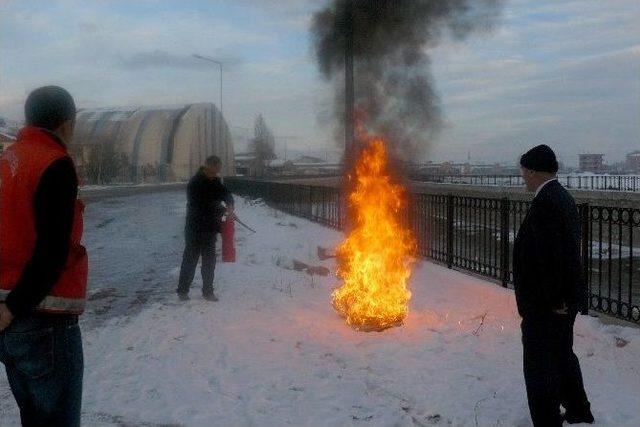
{"type": "Point", "coordinates": [205, 197]}
{"type": "Point", "coordinates": [43, 266]}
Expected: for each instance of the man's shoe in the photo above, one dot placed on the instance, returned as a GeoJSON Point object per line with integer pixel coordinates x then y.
{"type": "Point", "coordinates": [582, 417]}
{"type": "Point", "coordinates": [183, 297]}
{"type": "Point", "coordinates": [210, 297]}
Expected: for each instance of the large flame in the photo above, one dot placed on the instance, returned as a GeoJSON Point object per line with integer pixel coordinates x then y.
{"type": "Point", "coordinates": [375, 259]}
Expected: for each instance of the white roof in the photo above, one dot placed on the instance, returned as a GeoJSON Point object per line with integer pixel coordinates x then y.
{"type": "Point", "coordinates": [277, 163]}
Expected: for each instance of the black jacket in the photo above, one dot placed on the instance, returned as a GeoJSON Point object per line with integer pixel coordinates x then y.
{"type": "Point", "coordinates": [204, 204]}
{"type": "Point", "coordinates": [547, 266]}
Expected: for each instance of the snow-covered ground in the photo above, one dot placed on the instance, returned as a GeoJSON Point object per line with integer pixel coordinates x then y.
{"type": "Point", "coordinates": [272, 351]}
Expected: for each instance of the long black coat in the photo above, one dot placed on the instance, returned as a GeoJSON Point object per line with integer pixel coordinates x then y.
{"type": "Point", "coordinates": [547, 266]}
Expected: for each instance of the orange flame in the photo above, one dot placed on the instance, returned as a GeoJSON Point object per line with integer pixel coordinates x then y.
{"type": "Point", "coordinates": [375, 259]}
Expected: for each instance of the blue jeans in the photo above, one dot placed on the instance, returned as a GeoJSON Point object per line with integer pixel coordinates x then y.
{"type": "Point", "coordinates": [44, 363]}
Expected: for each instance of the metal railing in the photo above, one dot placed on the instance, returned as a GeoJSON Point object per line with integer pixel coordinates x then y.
{"type": "Point", "coordinates": [573, 182]}
{"type": "Point", "coordinates": [477, 235]}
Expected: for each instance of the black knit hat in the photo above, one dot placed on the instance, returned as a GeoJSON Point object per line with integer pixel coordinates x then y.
{"type": "Point", "coordinates": [48, 107]}
{"type": "Point", "coordinates": [540, 159]}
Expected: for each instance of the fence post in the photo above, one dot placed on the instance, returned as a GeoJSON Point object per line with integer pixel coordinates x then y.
{"type": "Point", "coordinates": [409, 214]}
{"type": "Point", "coordinates": [504, 241]}
{"type": "Point", "coordinates": [450, 230]}
{"type": "Point", "coordinates": [341, 224]}
{"type": "Point", "coordinates": [323, 210]}
{"type": "Point", "coordinates": [585, 215]}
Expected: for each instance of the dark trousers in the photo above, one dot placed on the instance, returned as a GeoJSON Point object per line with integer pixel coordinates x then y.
{"type": "Point", "coordinates": [551, 369]}
{"type": "Point", "coordinates": [198, 245]}
{"type": "Point", "coordinates": [44, 363]}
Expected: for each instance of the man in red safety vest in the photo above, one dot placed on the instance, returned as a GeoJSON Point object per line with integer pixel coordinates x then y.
{"type": "Point", "coordinates": [43, 266]}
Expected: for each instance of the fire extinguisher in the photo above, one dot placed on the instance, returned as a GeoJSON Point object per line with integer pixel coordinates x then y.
{"type": "Point", "coordinates": [227, 231]}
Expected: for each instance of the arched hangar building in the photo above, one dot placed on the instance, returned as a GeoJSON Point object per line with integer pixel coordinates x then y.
{"type": "Point", "coordinates": [149, 144]}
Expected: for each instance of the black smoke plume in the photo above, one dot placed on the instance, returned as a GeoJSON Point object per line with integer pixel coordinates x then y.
{"type": "Point", "coordinates": [394, 91]}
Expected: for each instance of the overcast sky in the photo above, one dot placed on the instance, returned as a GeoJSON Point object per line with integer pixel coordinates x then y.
{"type": "Point", "coordinates": [561, 72]}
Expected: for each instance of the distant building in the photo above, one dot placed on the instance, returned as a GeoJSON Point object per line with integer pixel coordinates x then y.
{"type": "Point", "coordinates": [618, 168]}
{"type": "Point", "coordinates": [304, 165]}
{"type": "Point", "coordinates": [495, 169]}
{"type": "Point", "coordinates": [444, 168]}
{"type": "Point", "coordinates": [308, 160]}
{"type": "Point", "coordinates": [450, 168]}
{"type": "Point", "coordinates": [591, 163]}
{"type": "Point", "coordinates": [281, 167]}
{"type": "Point", "coordinates": [245, 164]}
{"type": "Point", "coordinates": [632, 164]}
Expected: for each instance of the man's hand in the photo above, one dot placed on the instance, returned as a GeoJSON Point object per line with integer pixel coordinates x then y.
{"type": "Point", "coordinates": [5, 317]}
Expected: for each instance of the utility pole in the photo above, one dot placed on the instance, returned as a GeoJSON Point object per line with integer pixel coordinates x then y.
{"type": "Point", "coordinates": [219, 63]}
{"type": "Point", "coordinates": [349, 119]}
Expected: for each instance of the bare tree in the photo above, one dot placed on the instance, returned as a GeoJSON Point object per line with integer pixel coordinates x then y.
{"type": "Point", "coordinates": [262, 146]}
{"type": "Point", "coordinates": [105, 165]}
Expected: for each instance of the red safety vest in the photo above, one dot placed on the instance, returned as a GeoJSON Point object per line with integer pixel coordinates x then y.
{"type": "Point", "coordinates": [21, 167]}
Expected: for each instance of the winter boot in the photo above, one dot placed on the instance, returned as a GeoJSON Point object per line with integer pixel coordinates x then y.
{"type": "Point", "coordinates": [579, 417]}
{"type": "Point", "coordinates": [210, 297]}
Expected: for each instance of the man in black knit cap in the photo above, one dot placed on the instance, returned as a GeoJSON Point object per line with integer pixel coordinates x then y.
{"type": "Point", "coordinates": [550, 291]}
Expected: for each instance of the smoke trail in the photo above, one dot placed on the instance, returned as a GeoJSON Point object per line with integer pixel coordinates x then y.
{"type": "Point", "coordinates": [393, 83]}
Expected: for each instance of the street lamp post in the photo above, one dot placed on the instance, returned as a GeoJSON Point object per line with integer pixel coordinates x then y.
{"type": "Point", "coordinates": [349, 119]}
{"type": "Point", "coordinates": [206, 58]}
{"type": "Point", "coordinates": [222, 145]}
